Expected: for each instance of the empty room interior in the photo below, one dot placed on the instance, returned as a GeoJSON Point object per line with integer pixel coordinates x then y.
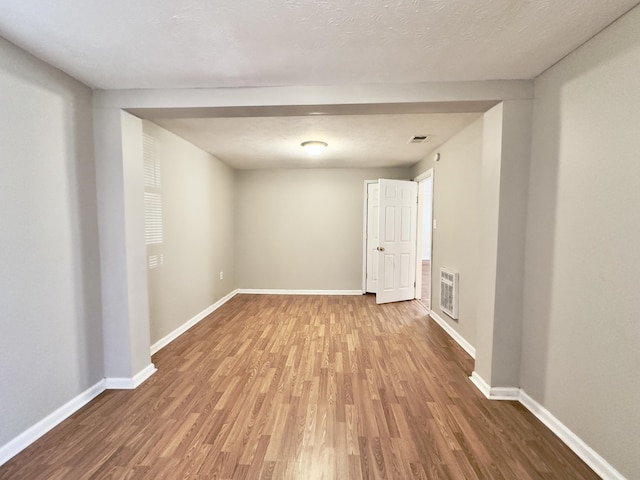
{"type": "Point", "coordinates": [449, 289]}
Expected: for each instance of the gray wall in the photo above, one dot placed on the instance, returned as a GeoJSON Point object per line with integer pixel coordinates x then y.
{"type": "Point", "coordinates": [50, 318]}
{"type": "Point", "coordinates": [302, 229]}
{"type": "Point", "coordinates": [581, 338]}
{"type": "Point", "coordinates": [126, 338]}
{"type": "Point", "coordinates": [456, 209]}
{"type": "Point", "coordinates": [198, 196]}
{"type": "Point", "coordinates": [505, 168]}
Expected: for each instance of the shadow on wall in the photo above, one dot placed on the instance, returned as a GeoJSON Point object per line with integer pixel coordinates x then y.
{"type": "Point", "coordinates": [554, 91]}
{"type": "Point", "coordinates": [76, 129]}
{"type": "Point", "coordinates": [50, 283]}
{"type": "Point", "coordinates": [539, 254]}
{"type": "Point", "coordinates": [79, 136]}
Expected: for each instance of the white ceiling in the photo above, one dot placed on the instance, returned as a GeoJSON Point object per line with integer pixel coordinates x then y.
{"type": "Point", "coordinates": [124, 44]}
{"type": "Point", "coordinates": [354, 140]}
{"type": "Point", "coordinates": [115, 44]}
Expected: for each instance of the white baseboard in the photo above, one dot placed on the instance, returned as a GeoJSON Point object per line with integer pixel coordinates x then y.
{"type": "Point", "coordinates": [494, 393]}
{"type": "Point", "coordinates": [125, 383]}
{"type": "Point", "coordinates": [570, 439]}
{"type": "Point", "coordinates": [270, 291]}
{"type": "Point", "coordinates": [143, 375]}
{"type": "Point", "coordinates": [460, 340]}
{"type": "Point", "coordinates": [33, 433]}
{"type": "Point", "coordinates": [167, 339]}
{"type": "Point", "coordinates": [575, 443]}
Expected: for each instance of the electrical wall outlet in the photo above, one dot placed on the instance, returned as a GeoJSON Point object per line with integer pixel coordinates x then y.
{"type": "Point", "coordinates": [221, 275]}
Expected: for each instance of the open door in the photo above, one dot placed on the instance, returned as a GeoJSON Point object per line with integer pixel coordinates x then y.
{"type": "Point", "coordinates": [397, 233]}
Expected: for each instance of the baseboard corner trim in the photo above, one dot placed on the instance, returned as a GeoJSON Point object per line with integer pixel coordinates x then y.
{"type": "Point", "coordinates": [119, 383]}
{"type": "Point", "coordinates": [143, 375]}
{"type": "Point", "coordinates": [479, 382]}
{"type": "Point", "coordinates": [130, 383]}
{"type": "Point", "coordinates": [588, 455]}
{"type": "Point", "coordinates": [459, 339]}
{"type": "Point", "coordinates": [278, 291]}
{"type": "Point", "coordinates": [167, 339]}
{"type": "Point", "coordinates": [33, 433]}
{"type": "Point", "coordinates": [494, 393]}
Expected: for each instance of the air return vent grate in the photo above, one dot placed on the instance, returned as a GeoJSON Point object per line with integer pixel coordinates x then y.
{"type": "Point", "coordinates": [449, 292]}
{"type": "Point", "coordinates": [419, 139]}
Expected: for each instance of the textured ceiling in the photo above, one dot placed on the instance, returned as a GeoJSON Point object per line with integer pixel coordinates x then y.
{"type": "Point", "coordinates": [119, 44]}
{"type": "Point", "coordinates": [125, 44]}
{"type": "Point", "coordinates": [354, 140]}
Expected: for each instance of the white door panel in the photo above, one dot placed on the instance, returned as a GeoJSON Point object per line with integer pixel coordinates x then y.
{"type": "Point", "coordinates": [405, 271]}
{"type": "Point", "coordinates": [397, 240]}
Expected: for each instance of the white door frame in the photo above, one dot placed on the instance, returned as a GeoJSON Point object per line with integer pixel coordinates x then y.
{"type": "Point", "coordinates": [420, 179]}
{"type": "Point", "coordinates": [364, 234]}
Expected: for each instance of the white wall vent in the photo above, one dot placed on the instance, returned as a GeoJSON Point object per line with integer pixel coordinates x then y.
{"type": "Point", "coordinates": [418, 139]}
{"type": "Point", "coordinates": [449, 281]}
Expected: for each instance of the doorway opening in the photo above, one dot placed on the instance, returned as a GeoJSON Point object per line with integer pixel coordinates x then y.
{"type": "Point", "coordinates": [425, 237]}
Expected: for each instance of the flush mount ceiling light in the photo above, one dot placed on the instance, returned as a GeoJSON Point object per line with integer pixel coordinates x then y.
{"type": "Point", "coordinates": [314, 147]}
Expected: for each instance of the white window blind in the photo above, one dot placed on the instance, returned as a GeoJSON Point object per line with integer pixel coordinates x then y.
{"type": "Point", "coordinates": [155, 261]}
{"type": "Point", "coordinates": [153, 222]}
{"type": "Point", "coordinates": [152, 177]}
{"type": "Point", "coordinates": [153, 217]}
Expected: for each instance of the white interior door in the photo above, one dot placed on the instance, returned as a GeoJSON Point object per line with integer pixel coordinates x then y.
{"type": "Point", "coordinates": [397, 231]}
{"type": "Point", "coordinates": [373, 191]}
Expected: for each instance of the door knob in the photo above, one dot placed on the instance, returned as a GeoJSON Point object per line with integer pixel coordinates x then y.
{"type": "Point", "coordinates": [380, 249]}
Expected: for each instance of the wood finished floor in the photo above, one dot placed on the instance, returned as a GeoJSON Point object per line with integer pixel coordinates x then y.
{"type": "Point", "coordinates": [426, 283]}
{"type": "Point", "coordinates": [303, 387]}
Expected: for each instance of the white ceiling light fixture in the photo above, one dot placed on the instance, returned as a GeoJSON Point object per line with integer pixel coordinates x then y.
{"type": "Point", "coordinates": [314, 147]}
